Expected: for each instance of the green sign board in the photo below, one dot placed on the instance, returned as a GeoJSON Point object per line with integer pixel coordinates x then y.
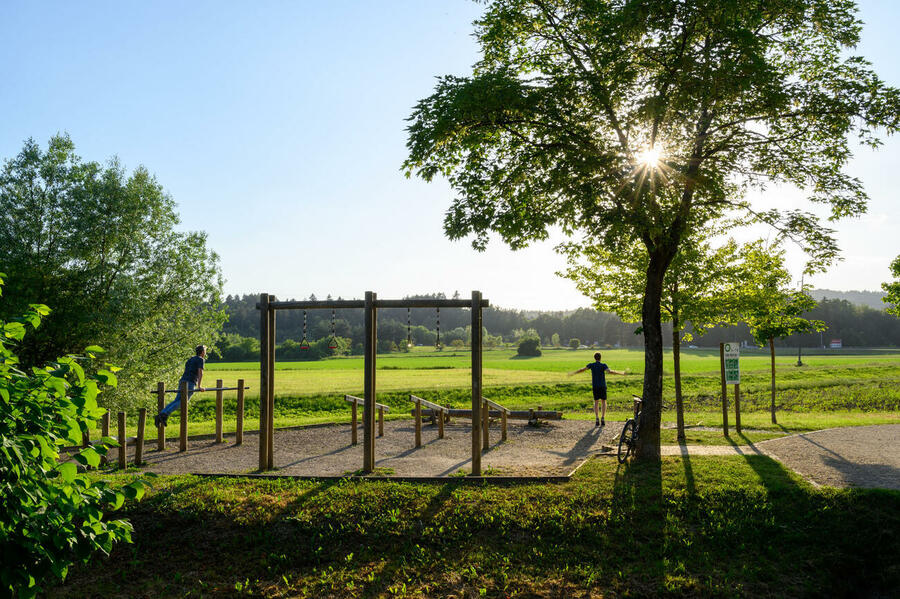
{"type": "Point", "coordinates": [732, 363]}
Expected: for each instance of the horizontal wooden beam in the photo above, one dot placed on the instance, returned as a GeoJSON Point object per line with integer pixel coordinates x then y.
{"type": "Point", "coordinates": [429, 404]}
{"type": "Point", "coordinates": [512, 414]}
{"type": "Point", "coordinates": [496, 406]}
{"type": "Point", "coordinates": [401, 303]}
{"type": "Point", "coordinates": [362, 402]}
{"type": "Point", "coordinates": [205, 389]}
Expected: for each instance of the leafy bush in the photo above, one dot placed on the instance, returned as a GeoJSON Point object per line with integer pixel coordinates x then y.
{"type": "Point", "coordinates": [574, 343]}
{"type": "Point", "coordinates": [50, 516]}
{"type": "Point", "coordinates": [529, 346]}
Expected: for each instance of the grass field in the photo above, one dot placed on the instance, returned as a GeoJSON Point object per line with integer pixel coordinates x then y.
{"type": "Point", "coordinates": [708, 527]}
{"type": "Point", "coordinates": [829, 390]}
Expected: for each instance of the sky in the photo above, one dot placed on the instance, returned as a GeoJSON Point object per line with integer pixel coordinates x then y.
{"type": "Point", "coordinates": [279, 129]}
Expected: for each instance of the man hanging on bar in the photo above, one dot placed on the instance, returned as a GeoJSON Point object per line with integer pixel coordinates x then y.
{"type": "Point", "coordinates": [193, 376]}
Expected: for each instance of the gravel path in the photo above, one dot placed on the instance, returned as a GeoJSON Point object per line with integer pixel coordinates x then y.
{"type": "Point", "coordinates": [857, 456]}
{"type": "Point", "coordinates": [555, 448]}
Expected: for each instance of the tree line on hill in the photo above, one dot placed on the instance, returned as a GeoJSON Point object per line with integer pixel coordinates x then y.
{"type": "Point", "coordinates": [856, 326]}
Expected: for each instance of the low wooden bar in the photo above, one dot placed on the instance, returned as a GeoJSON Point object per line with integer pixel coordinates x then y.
{"type": "Point", "coordinates": [511, 414]}
{"type": "Point", "coordinates": [123, 442]}
{"type": "Point", "coordinates": [239, 414]}
{"type": "Point", "coordinates": [183, 414]}
{"type": "Point", "coordinates": [139, 441]}
{"type": "Point", "coordinates": [219, 409]}
{"type": "Point", "coordinates": [160, 404]}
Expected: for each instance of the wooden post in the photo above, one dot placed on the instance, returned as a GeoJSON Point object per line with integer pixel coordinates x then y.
{"type": "Point", "coordinates": [270, 437]}
{"type": "Point", "coordinates": [737, 408]}
{"type": "Point", "coordinates": [772, 357]}
{"type": "Point", "coordinates": [503, 425]}
{"type": "Point", "coordinates": [418, 423]}
{"type": "Point", "coordinates": [353, 422]}
{"type": "Point", "coordinates": [441, 424]}
{"type": "Point", "coordinates": [724, 389]}
{"type": "Point", "coordinates": [160, 404]}
{"type": "Point", "coordinates": [476, 383]}
{"type": "Point", "coordinates": [86, 438]}
{"type": "Point", "coordinates": [104, 424]}
{"type": "Point", "coordinates": [239, 415]}
{"type": "Point", "coordinates": [263, 379]}
{"type": "Point", "coordinates": [380, 421]}
{"type": "Point", "coordinates": [370, 322]}
{"type": "Point", "coordinates": [139, 443]}
{"type": "Point", "coordinates": [122, 441]}
{"type": "Point", "coordinates": [183, 407]}
{"type": "Point", "coordinates": [219, 395]}
{"type": "Point", "coordinates": [485, 421]}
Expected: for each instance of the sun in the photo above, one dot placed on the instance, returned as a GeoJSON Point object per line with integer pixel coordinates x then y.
{"type": "Point", "coordinates": [650, 157]}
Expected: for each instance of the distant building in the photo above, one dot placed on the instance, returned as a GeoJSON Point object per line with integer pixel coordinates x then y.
{"type": "Point", "coordinates": [835, 344]}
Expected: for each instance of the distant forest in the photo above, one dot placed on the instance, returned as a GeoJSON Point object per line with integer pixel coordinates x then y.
{"type": "Point", "coordinates": [856, 325]}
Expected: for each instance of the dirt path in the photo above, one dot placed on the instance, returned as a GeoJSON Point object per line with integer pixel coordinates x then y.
{"type": "Point", "coordinates": [857, 456]}
{"type": "Point", "coordinates": [553, 449]}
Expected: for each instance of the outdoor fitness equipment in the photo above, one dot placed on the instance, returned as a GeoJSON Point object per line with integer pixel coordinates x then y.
{"type": "Point", "coordinates": [332, 343]}
{"type": "Point", "coordinates": [304, 344]}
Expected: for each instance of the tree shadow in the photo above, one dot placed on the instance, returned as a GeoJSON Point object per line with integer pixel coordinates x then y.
{"type": "Point", "coordinates": [637, 493]}
{"type": "Point", "coordinates": [690, 483]}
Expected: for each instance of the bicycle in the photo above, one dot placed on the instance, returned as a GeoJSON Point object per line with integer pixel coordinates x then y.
{"type": "Point", "coordinates": [629, 435]}
{"type": "Point", "coordinates": [630, 432]}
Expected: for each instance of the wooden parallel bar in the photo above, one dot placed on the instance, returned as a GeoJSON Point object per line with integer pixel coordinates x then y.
{"type": "Point", "coordinates": [205, 389]}
{"type": "Point", "coordinates": [350, 398]}
{"type": "Point", "coordinates": [381, 420]}
{"type": "Point", "coordinates": [353, 420]}
{"type": "Point", "coordinates": [270, 437]}
{"type": "Point", "coordinates": [512, 414]}
{"type": "Point", "coordinates": [183, 441]}
{"type": "Point", "coordinates": [239, 415]}
{"type": "Point", "coordinates": [428, 404]}
{"type": "Point", "coordinates": [497, 406]}
{"type": "Point", "coordinates": [418, 412]}
{"type": "Point", "coordinates": [440, 422]}
{"type": "Point", "coordinates": [476, 381]}
{"type": "Point", "coordinates": [503, 418]}
{"type": "Point", "coordinates": [139, 442]}
{"type": "Point", "coordinates": [160, 404]}
{"type": "Point", "coordinates": [485, 428]}
{"type": "Point", "coordinates": [219, 409]}
{"type": "Point", "coordinates": [123, 443]}
{"type": "Point", "coordinates": [263, 379]}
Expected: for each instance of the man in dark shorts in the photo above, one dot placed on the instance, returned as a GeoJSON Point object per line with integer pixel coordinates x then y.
{"type": "Point", "coordinates": [193, 375]}
{"type": "Point", "coordinates": [598, 379]}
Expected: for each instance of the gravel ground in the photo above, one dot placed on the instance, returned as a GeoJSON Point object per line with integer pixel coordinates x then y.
{"type": "Point", "coordinates": [555, 448]}
{"type": "Point", "coordinates": [858, 456]}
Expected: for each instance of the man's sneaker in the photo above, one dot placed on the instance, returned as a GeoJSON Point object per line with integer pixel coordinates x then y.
{"type": "Point", "coordinates": [602, 422]}
{"type": "Point", "coordinates": [597, 423]}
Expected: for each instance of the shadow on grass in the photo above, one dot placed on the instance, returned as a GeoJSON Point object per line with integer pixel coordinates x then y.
{"type": "Point", "coordinates": [637, 494]}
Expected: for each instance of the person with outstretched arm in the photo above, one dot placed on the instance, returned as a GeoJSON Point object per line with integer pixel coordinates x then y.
{"type": "Point", "coordinates": [598, 379]}
{"type": "Point", "coordinates": [193, 375]}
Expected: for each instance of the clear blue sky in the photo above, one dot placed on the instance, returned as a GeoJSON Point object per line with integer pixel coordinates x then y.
{"type": "Point", "coordinates": [278, 127]}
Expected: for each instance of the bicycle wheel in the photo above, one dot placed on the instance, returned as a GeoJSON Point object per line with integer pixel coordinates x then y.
{"type": "Point", "coordinates": [626, 440]}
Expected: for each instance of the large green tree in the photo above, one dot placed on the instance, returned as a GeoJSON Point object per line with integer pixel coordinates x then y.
{"type": "Point", "coordinates": [638, 120]}
{"type": "Point", "coordinates": [893, 289]}
{"type": "Point", "coordinates": [699, 287]}
{"type": "Point", "coordinates": [101, 246]}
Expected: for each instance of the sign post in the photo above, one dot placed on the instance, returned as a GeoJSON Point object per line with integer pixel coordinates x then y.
{"type": "Point", "coordinates": [731, 354]}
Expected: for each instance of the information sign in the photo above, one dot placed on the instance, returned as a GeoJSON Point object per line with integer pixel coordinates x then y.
{"type": "Point", "coordinates": [732, 363]}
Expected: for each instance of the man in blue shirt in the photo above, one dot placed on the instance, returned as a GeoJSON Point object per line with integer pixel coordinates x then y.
{"type": "Point", "coordinates": [193, 375]}
{"type": "Point", "coordinates": [598, 379]}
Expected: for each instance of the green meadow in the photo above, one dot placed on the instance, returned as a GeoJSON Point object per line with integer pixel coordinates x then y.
{"type": "Point", "coordinates": [839, 389]}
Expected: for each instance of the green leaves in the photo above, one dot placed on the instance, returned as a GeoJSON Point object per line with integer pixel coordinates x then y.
{"type": "Point", "coordinates": [52, 515]}
{"type": "Point", "coordinates": [893, 289]}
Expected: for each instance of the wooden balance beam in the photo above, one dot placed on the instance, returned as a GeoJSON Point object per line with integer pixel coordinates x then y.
{"type": "Point", "coordinates": [435, 411]}
{"type": "Point", "coordinates": [355, 401]}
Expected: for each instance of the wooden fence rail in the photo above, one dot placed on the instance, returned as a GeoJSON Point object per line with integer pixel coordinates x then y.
{"type": "Point", "coordinates": [354, 424]}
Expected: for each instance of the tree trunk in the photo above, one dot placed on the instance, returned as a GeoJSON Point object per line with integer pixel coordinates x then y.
{"type": "Point", "coordinates": [676, 355]}
{"type": "Point", "coordinates": [648, 442]}
{"type": "Point", "coordinates": [772, 353]}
